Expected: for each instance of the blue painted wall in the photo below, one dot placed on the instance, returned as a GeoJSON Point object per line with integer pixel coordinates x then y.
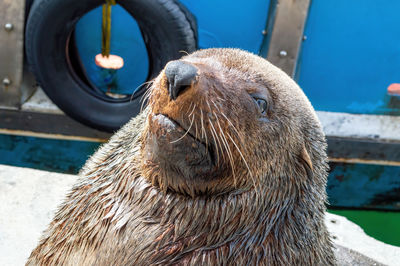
{"type": "Point", "coordinates": [126, 41]}
{"type": "Point", "coordinates": [351, 55]}
{"type": "Point", "coordinates": [221, 23]}
{"type": "Point", "coordinates": [231, 23]}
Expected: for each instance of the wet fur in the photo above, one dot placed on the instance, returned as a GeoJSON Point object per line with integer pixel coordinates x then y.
{"type": "Point", "coordinates": [265, 207]}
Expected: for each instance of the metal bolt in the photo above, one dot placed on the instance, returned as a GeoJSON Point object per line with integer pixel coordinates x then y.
{"type": "Point", "coordinates": [304, 37]}
{"type": "Point", "coordinates": [8, 26]}
{"type": "Point", "coordinates": [6, 82]}
{"type": "Point", "coordinates": [283, 53]}
{"type": "Point", "coordinates": [264, 32]}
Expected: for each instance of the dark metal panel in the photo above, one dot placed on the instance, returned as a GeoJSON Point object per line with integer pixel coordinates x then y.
{"type": "Point", "coordinates": [287, 34]}
{"type": "Point", "coordinates": [363, 149]}
{"type": "Point", "coordinates": [47, 125]}
{"type": "Point", "coordinates": [11, 51]}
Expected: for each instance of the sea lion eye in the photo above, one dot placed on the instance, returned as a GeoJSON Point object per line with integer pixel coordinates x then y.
{"type": "Point", "coordinates": [262, 105]}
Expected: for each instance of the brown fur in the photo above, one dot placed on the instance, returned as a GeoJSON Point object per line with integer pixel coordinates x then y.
{"type": "Point", "coordinates": [260, 202]}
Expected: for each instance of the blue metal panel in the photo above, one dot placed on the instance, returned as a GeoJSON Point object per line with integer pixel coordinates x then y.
{"type": "Point", "coordinates": [351, 56]}
{"type": "Point", "coordinates": [349, 185]}
{"type": "Point", "coordinates": [233, 23]}
{"type": "Point", "coordinates": [364, 186]}
{"type": "Point", "coordinates": [126, 41]}
{"type": "Point", "coordinates": [65, 156]}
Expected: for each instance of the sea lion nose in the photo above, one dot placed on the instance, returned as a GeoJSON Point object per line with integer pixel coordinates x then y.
{"type": "Point", "coordinates": [180, 75]}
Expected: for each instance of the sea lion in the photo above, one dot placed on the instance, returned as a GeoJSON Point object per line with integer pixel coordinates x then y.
{"type": "Point", "coordinates": [225, 166]}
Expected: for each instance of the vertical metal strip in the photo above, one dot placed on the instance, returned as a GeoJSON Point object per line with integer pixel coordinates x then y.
{"type": "Point", "coordinates": [287, 34]}
{"type": "Point", "coordinates": [11, 52]}
{"type": "Point", "coordinates": [268, 28]}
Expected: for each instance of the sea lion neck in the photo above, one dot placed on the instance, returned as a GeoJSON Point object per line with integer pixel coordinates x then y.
{"type": "Point", "coordinates": [180, 228]}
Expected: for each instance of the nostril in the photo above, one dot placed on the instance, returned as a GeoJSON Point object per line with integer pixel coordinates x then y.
{"type": "Point", "coordinates": [180, 75]}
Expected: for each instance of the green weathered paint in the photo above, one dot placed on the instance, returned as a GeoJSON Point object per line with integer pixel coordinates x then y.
{"type": "Point", "coordinates": [383, 226]}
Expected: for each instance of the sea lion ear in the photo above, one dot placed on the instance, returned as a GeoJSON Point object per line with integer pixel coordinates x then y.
{"type": "Point", "coordinates": [306, 161]}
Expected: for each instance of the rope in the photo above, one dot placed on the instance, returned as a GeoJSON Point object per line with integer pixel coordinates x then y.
{"type": "Point", "coordinates": [106, 28]}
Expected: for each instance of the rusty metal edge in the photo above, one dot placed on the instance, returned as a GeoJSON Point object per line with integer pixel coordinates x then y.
{"type": "Point", "coordinates": [363, 161]}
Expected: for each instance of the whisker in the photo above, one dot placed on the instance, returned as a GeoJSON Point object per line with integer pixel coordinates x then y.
{"type": "Point", "coordinates": [218, 142]}
{"type": "Point", "coordinates": [226, 144]}
{"type": "Point", "coordinates": [195, 125]}
{"type": "Point", "coordinates": [215, 141]}
{"type": "Point", "coordinates": [145, 97]}
{"type": "Point", "coordinates": [203, 131]}
{"type": "Point", "coordinates": [244, 160]}
{"type": "Point", "coordinates": [214, 132]}
{"type": "Point", "coordinates": [232, 125]}
{"type": "Point", "coordinates": [237, 147]}
{"type": "Point", "coordinates": [216, 107]}
{"type": "Point", "coordinates": [144, 83]}
{"type": "Point", "coordinates": [194, 107]}
{"type": "Point", "coordinates": [209, 107]}
{"type": "Point", "coordinates": [219, 98]}
{"type": "Point", "coordinates": [189, 107]}
{"type": "Point", "coordinates": [143, 104]}
{"type": "Point", "coordinates": [187, 131]}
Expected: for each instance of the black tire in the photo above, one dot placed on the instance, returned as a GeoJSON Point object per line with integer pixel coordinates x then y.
{"type": "Point", "coordinates": [167, 29]}
{"type": "Point", "coordinates": [28, 4]}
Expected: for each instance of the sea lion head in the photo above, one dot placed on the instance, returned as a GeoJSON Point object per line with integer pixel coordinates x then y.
{"type": "Point", "coordinates": [226, 166]}
{"type": "Point", "coordinates": [225, 120]}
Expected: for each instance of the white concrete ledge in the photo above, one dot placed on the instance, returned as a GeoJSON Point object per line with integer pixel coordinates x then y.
{"type": "Point", "coordinates": [28, 199]}
{"type": "Point", "coordinates": [345, 125]}
{"type": "Point", "coordinates": [352, 236]}
{"type": "Point", "coordinates": [39, 102]}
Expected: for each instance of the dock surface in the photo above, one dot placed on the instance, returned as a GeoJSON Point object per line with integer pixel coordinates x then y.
{"type": "Point", "coordinates": [29, 198]}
